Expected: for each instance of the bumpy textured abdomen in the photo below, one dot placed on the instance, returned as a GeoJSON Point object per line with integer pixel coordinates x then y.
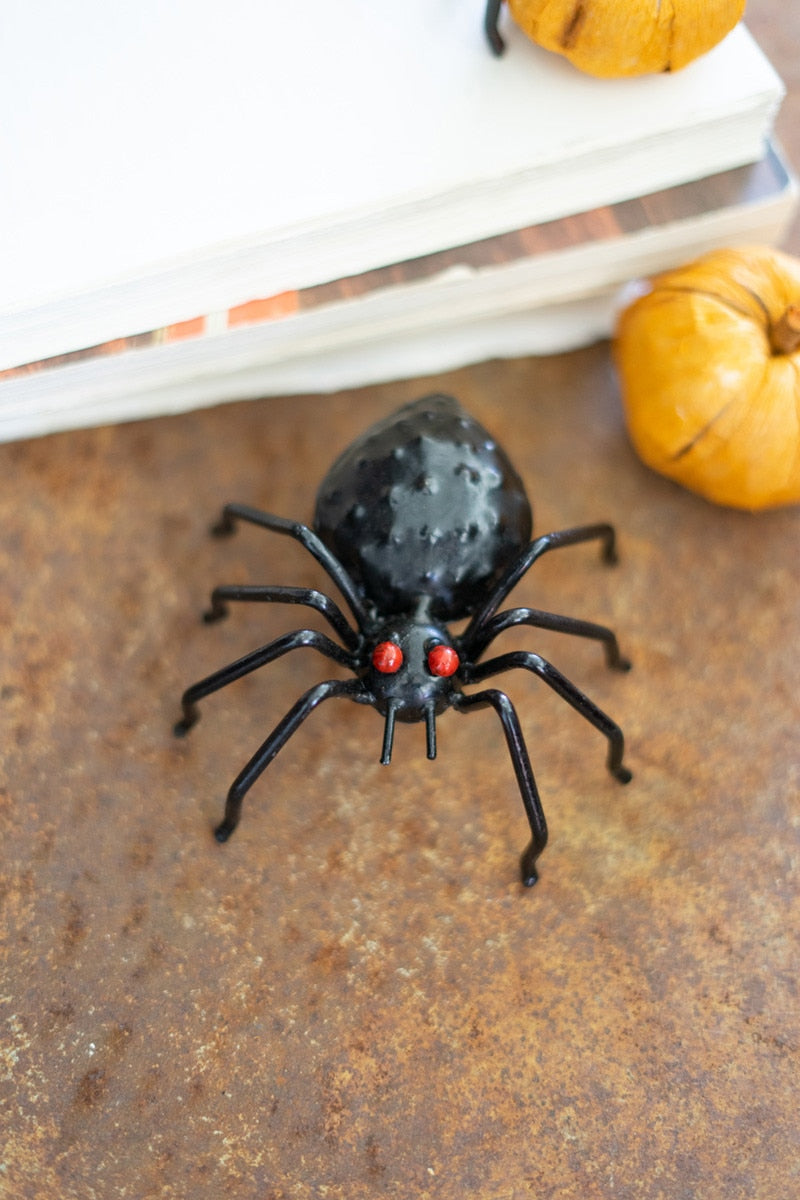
{"type": "Point", "coordinates": [424, 505]}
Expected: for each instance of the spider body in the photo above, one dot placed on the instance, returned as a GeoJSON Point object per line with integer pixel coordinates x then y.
{"type": "Point", "coordinates": [421, 522]}
{"type": "Point", "coordinates": [424, 508]}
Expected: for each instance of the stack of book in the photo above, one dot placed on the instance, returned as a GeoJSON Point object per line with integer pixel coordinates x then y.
{"type": "Point", "coordinates": [210, 203]}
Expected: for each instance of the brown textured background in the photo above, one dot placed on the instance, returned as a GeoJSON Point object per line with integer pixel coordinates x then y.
{"type": "Point", "coordinates": [355, 997]}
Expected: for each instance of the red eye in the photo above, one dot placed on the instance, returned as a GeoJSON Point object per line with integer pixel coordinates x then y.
{"type": "Point", "coordinates": [387, 657]}
{"type": "Point", "coordinates": [442, 661]}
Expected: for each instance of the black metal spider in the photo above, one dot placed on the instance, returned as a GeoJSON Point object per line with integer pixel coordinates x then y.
{"type": "Point", "coordinates": [421, 521]}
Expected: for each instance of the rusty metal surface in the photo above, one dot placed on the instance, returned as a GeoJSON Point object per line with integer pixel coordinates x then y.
{"type": "Point", "coordinates": [355, 997]}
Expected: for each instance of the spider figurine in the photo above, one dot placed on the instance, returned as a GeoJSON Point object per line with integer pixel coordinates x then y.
{"type": "Point", "coordinates": [421, 522]}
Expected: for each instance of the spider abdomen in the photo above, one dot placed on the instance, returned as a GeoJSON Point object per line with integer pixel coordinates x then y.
{"type": "Point", "coordinates": [424, 505]}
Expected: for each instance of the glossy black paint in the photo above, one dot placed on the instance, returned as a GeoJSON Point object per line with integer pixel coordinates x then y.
{"type": "Point", "coordinates": [422, 521]}
{"type": "Point", "coordinates": [424, 507]}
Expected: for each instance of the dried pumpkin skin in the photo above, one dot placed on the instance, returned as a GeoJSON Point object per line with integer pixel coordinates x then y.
{"type": "Point", "coordinates": [709, 366]}
{"type": "Point", "coordinates": [616, 38]}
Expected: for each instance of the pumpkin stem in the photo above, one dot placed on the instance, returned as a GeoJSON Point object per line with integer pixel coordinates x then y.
{"type": "Point", "coordinates": [784, 336]}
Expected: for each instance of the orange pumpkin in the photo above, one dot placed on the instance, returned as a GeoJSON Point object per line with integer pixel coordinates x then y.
{"type": "Point", "coordinates": [709, 364]}
{"type": "Point", "coordinates": [615, 38]}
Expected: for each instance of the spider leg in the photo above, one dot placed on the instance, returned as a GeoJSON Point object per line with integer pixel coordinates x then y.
{"type": "Point", "coordinates": [548, 541]}
{"type": "Point", "coordinates": [545, 620]}
{"type": "Point", "coordinates": [275, 742]}
{"type": "Point", "coordinates": [251, 662]}
{"type": "Point", "coordinates": [286, 595]}
{"type": "Point", "coordinates": [491, 17]}
{"type": "Point", "coordinates": [500, 702]}
{"type": "Point", "coordinates": [568, 691]}
{"type": "Point", "coordinates": [232, 513]}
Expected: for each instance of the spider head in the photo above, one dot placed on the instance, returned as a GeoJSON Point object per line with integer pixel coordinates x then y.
{"type": "Point", "coordinates": [412, 673]}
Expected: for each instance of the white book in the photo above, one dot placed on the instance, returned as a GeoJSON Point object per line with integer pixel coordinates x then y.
{"type": "Point", "coordinates": [164, 160]}
{"type": "Point", "coordinates": [537, 290]}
